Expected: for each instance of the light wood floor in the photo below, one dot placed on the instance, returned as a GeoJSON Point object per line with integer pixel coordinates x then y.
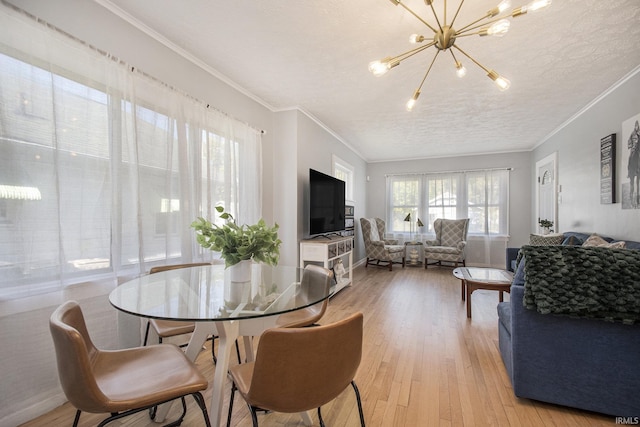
{"type": "Point", "coordinates": [424, 363]}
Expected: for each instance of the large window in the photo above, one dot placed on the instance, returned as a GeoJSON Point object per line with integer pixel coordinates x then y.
{"type": "Point", "coordinates": [482, 196]}
{"type": "Point", "coordinates": [344, 171]}
{"type": "Point", "coordinates": [103, 168]}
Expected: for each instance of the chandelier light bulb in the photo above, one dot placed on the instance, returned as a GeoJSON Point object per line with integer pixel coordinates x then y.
{"type": "Point", "coordinates": [531, 7]}
{"type": "Point", "coordinates": [504, 5]}
{"type": "Point", "coordinates": [416, 38]}
{"type": "Point", "coordinates": [502, 83]}
{"type": "Point", "coordinates": [461, 71]}
{"type": "Point", "coordinates": [498, 28]}
{"type": "Point", "coordinates": [537, 5]}
{"type": "Point", "coordinates": [412, 102]}
{"type": "Point", "coordinates": [379, 68]}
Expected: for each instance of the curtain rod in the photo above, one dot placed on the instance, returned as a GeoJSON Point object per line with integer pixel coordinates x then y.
{"type": "Point", "coordinates": [121, 62]}
{"type": "Point", "coordinates": [452, 171]}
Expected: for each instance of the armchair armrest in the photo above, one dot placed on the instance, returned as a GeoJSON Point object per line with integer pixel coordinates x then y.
{"type": "Point", "coordinates": [461, 244]}
{"type": "Point", "coordinates": [390, 241]}
{"type": "Point", "coordinates": [431, 243]}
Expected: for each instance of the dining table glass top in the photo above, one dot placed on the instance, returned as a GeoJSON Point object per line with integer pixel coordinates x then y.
{"type": "Point", "coordinates": [206, 293]}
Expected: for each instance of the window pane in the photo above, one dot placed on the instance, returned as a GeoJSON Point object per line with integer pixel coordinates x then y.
{"type": "Point", "coordinates": [405, 200]}
{"type": "Point", "coordinates": [64, 157]}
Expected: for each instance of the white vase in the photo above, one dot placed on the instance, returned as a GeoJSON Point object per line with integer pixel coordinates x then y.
{"type": "Point", "coordinates": [241, 272]}
{"type": "Point", "coordinates": [238, 288]}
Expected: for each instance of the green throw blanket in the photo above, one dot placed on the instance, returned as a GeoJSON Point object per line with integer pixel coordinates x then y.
{"type": "Point", "coordinates": [591, 282]}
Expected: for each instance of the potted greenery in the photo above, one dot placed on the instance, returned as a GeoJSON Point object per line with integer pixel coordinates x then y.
{"type": "Point", "coordinates": [238, 243]}
{"type": "Point", "coordinates": [546, 225]}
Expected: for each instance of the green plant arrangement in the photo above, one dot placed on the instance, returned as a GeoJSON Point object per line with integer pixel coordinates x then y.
{"type": "Point", "coordinates": [236, 243]}
{"type": "Point", "coordinates": [545, 223]}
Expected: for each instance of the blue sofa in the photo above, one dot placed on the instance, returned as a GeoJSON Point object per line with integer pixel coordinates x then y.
{"type": "Point", "coordinates": [585, 363]}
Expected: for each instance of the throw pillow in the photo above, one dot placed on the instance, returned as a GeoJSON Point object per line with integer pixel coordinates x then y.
{"type": "Point", "coordinates": [572, 241]}
{"type": "Point", "coordinates": [547, 240]}
{"type": "Point", "coordinates": [597, 241]}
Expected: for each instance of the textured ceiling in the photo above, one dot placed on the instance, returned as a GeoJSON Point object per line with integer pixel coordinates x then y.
{"type": "Point", "coordinates": [313, 55]}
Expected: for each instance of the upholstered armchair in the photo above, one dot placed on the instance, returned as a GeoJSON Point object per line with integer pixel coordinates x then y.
{"type": "Point", "coordinates": [450, 242]}
{"type": "Point", "coordinates": [378, 249]}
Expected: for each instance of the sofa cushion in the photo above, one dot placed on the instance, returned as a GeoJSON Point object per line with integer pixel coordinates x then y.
{"type": "Point", "coordinates": [547, 240]}
{"type": "Point", "coordinates": [597, 241]}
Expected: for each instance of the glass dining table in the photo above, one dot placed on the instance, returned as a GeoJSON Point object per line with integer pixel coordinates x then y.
{"type": "Point", "coordinates": [207, 296]}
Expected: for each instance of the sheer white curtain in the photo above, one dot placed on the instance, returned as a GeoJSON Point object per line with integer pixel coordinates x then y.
{"type": "Point", "coordinates": [122, 164]}
{"type": "Point", "coordinates": [102, 170]}
{"type": "Point", "coordinates": [480, 195]}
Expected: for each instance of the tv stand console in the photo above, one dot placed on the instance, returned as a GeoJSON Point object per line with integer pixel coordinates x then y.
{"type": "Point", "coordinates": [330, 253]}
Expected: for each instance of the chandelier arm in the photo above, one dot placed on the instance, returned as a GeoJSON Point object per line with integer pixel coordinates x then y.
{"type": "Point", "coordinates": [468, 34]}
{"type": "Point", "coordinates": [445, 12]}
{"type": "Point", "coordinates": [453, 55]}
{"type": "Point", "coordinates": [470, 28]}
{"type": "Point", "coordinates": [456, 15]}
{"type": "Point", "coordinates": [435, 15]}
{"type": "Point", "coordinates": [420, 19]}
{"type": "Point", "coordinates": [428, 70]}
{"type": "Point", "coordinates": [474, 61]}
{"type": "Point", "coordinates": [473, 23]}
{"type": "Point", "coordinates": [410, 53]}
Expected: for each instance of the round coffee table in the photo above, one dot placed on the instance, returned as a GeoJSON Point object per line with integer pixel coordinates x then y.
{"type": "Point", "coordinates": [473, 278]}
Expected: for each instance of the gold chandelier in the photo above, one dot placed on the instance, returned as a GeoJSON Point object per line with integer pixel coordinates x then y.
{"type": "Point", "coordinates": [445, 36]}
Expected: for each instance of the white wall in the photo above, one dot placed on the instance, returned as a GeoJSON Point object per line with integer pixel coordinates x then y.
{"type": "Point", "coordinates": [578, 148]}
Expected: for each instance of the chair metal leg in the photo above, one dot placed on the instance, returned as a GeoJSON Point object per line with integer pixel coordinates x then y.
{"type": "Point", "coordinates": [146, 334]}
{"type": "Point", "coordinates": [254, 415]}
{"type": "Point", "coordinates": [355, 389]}
{"type": "Point", "coordinates": [178, 422]}
{"type": "Point", "coordinates": [203, 406]}
{"type": "Point", "coordinates": [233, 393]}
{"type": "Point", "coordinates": [213, 354]}
{"type": "Point", "coordinates": [77, 418]}
{"type": "Point", "coordinates": [320, 417]}
{"type": "Point", "coordinates": [118, 415]}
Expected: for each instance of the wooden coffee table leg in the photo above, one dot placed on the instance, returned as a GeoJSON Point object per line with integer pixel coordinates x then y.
{"type": "Point", "coordinates": [463, 289]}
{"type": "Point", "coordinates": [501, 296]}
{"type": "Point", "coordinates": [469, 292]}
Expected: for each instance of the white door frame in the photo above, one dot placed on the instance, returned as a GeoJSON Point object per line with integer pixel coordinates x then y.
{"type": "Point", "coordinates": [551, 158]}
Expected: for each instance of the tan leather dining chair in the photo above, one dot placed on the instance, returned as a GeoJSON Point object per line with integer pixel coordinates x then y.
{"type": "Point", "coordinates": [298, 369]}
{"type": "Point", "coordinates": [119, 382]}
{"type": "Point", "coordinates": [172, 328]}
{"type": "Point", "coordinates": [315, 283]}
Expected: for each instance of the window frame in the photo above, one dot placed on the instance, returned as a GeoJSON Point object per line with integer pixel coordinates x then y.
{"type": "Point", "coordinates": [462, 205]}
{"type": "Point", "coordinates": [340, 167]}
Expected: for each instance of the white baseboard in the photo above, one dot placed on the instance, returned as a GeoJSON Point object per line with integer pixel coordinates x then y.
{"type": "Point", "coordinates": [34, 411]}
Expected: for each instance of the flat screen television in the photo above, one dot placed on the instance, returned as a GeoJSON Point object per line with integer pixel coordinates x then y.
{"type": "Point", "coordinates": [326, 203]}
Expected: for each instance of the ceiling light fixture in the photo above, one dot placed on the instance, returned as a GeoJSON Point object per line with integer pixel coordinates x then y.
{"type": "Point", "coordinates": [445, 36]}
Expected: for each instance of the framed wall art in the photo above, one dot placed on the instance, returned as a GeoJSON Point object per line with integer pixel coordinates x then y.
{"type": "Point", "coordinates": [630, 176]}
{"type": "Point", "coordinates": [608, 169]}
